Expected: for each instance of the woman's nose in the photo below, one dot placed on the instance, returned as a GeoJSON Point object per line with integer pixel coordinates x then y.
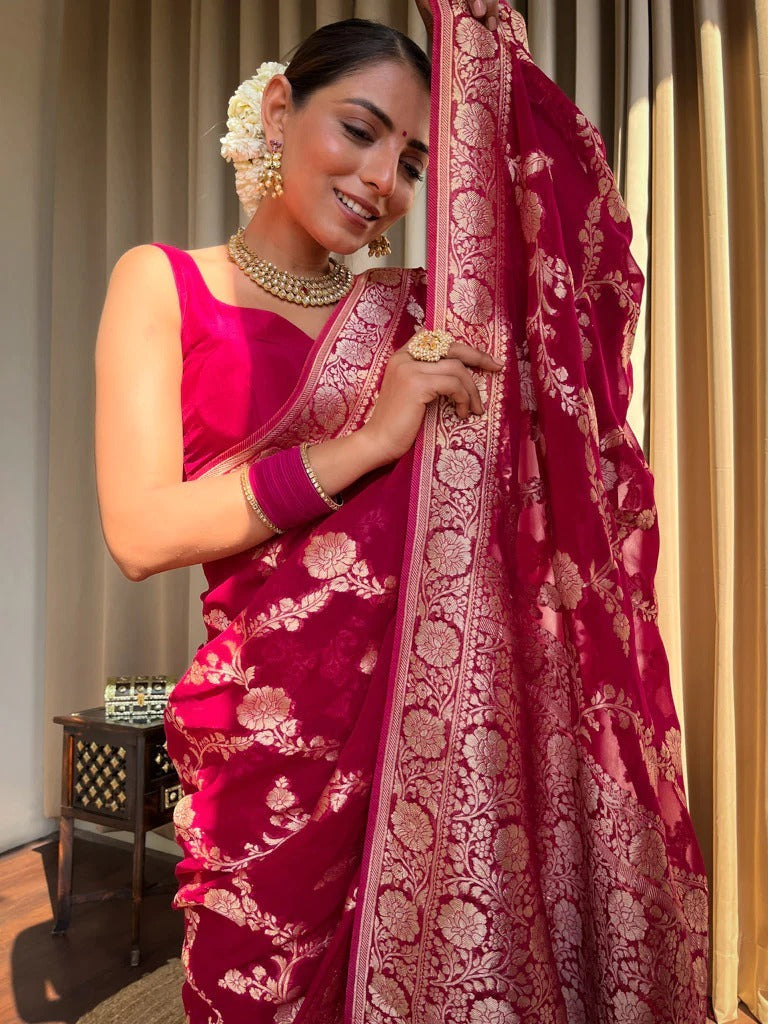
{"type": "Point", "coordinates": [381, 172]}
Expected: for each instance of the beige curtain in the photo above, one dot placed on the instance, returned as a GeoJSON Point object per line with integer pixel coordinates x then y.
{"type": "Point", "coordinates": [674, 87]}
{"type": "Point", "coordinates": [708, 448]}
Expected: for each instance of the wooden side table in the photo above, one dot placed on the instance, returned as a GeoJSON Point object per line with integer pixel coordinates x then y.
{"type": "Point", "coordinates": [117, 774]}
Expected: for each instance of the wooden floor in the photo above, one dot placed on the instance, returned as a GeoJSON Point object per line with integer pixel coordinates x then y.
{"type": "Point", "coordinates": [46, 979]}
{"type": "Point", "coordinates": [56, 979]}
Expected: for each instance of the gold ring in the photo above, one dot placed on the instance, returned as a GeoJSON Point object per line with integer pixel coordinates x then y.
{"type": "Point", "coordinates": [429, 346]}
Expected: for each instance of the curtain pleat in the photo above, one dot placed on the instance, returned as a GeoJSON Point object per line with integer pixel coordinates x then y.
{"type": "Point", "coordinates": [708, 451]}
{"type": "Point", "coordinates": [718, 304]}
{"type": "Point", "coordinates": [679, 90]}
{"type": "Point", "coordinates": [757, 971]}
{"type": "Point", "coordinates": [75, 576]}
{"type": "Point", "coordinates": [632, 157]}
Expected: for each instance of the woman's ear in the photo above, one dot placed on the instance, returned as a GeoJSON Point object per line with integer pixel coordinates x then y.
{"type": "Point", "coordinates": [275, 104]}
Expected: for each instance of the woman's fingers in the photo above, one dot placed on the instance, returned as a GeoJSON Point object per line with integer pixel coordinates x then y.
{"type": "Point", "coordinates": [460, 371]}
{"type": "Point", "coordinates": [450, 377]}
{"type": "Point", "coordinates": [474, 357]}
{"type": "Point", "coordinates": [487, 11]}
{"type": "Point", "coordinates": [455, 389]}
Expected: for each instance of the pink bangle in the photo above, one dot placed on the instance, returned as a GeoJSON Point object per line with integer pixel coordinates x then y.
{"type": "Point", "coordinates": [282, 487]}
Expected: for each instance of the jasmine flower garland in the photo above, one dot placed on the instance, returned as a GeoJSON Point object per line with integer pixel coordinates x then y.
{"type": "Point", "coordinates": [245, 144]}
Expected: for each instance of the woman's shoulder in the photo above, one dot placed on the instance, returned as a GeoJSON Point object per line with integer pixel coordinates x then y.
{"type": "Point", "coordinates": [144, 266]}
{"type": "Point", "coordinates": [155, 272]}
{"type": "Point", "coordinates": [158, 254]}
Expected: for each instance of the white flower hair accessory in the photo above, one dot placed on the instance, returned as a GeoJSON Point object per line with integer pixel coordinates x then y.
{"type": "Point", "coordinates": [245, 144]}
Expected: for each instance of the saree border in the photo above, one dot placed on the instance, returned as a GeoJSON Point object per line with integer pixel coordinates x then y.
{"type": "Point", "coordinates": [411, 596]}
{"type": "Point", "coordinates": [280, 427]}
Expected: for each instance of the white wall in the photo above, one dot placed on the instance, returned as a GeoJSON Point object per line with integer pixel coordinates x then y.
{"type": "Point", "coordinates": [28, 59]}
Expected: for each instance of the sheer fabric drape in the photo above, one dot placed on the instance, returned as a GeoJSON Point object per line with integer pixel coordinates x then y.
{"type": "Point", "coordinates": [674, 89]}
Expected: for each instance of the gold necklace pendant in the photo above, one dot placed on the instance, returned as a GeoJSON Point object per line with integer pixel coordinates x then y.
{"type": "Point", "coordinates": [303, 291]}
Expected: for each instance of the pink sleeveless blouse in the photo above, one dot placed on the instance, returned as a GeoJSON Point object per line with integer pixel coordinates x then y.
{"type": "Point", "coordinates": [239, 365]}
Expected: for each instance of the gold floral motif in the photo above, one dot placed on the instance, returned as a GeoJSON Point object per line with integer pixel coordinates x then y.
{"type": "Point", "coordinates": [459, 469]}
{"type": "Point", "coordinates": [329, 555]}
{"type": "Point", "coordinates": [216, 619]}
{"type": "Point", "coordinates": [424, 732]}
{"type": "Point", "coordinates": [437, 643]}
{"type": "Point", "coordinates": [412, 826]}
{"type": "Point", "coordinates": [462, 924]}
{"type": "Point", "coordinates": [293, 943]}
{"type": "Point", "coordinates": [340, 787]}
{"type": "Point", "coordinates": [493, 1011]}
{"type": "Point", "coordinates": [398, 915]}
{"type": "Point", "coordinates": [388, 996]}
{"type": "Point", "coordinates": [264, 707]}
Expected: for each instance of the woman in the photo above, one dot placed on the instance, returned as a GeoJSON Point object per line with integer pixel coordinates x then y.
{"type": "Point", "coordinates": [431, 762]}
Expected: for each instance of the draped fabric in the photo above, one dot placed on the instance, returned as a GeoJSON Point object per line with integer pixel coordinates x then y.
{"type": "Point", "coordinates": [130, 147]}
{"type": "Point", "coordinates": [559, 774]}
{"type": "Point", "coordinates": [431, 763]}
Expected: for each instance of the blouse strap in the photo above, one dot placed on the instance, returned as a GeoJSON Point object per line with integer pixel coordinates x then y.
{"type": "Point", "coordinates": [180, 265]}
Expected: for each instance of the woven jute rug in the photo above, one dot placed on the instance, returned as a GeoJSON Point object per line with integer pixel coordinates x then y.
{"type": "Point", "coordinates": [153, 999]}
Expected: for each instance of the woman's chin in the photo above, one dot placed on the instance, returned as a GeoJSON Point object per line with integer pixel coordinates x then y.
{"type": "Point", "coordinates": [349, 250]}
{"type": "Point", "coordinates": [341, 245]}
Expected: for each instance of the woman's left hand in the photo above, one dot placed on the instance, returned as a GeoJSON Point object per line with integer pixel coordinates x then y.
{"type": "Point", "coordinates": [486, 11]}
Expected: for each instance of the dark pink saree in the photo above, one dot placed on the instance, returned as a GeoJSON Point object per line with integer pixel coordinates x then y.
{"type": "Point", "coordinates": [431, 759]}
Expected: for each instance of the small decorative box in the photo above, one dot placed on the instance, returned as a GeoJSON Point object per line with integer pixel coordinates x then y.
{"type": "Point", "coordinates": [137, 698]}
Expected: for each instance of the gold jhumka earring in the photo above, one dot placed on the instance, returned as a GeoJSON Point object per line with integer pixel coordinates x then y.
{"type": "Point", "coordinates": [270, 182]}
{"type": "Point", "coordinates": [379, 247]}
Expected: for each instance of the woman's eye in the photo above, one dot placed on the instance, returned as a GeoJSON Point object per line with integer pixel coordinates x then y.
{"type": "Point", "coordinates": [413, 172]}
{"type": "Point", "coordinates": [358, 132]}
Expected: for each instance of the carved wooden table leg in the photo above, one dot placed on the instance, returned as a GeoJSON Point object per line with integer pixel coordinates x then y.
{"type": "Point", "coordinates": [64, 889]}
{"type": "Point", "coordinates": [139, 843]}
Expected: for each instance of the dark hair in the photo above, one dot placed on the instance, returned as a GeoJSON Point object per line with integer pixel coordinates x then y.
{"type": "Point", "coordinates": [344, 47]}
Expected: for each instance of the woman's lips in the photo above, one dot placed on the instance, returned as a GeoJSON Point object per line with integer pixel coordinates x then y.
{"type": "Point", "coordinates": [355, 218]}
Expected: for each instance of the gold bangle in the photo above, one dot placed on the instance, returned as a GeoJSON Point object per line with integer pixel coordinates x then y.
{"type": "Point", "coordinates": [250, 497]}
{"type": "Point", "coordinates": [334, 506]}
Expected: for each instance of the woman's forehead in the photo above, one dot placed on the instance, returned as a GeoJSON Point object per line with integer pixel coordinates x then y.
{"type": "Point", "coordinates": [391, 92]}
{"type": "Point", "coordinates": [395, 80]}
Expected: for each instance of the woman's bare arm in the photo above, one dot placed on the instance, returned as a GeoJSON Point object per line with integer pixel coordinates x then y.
{"type": "Point", "coordinates": [152, 520]}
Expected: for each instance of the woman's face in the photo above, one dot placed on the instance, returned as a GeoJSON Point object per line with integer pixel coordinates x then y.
{"type": "Point", "coordinates": [354, 154]}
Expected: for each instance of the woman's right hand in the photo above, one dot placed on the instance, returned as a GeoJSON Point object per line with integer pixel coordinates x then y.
{"type": "Point", "coordinates": [408, 387]}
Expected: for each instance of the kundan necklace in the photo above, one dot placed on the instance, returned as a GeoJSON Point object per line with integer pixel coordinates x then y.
{"type": "Point", "coordinates": [304, 291]}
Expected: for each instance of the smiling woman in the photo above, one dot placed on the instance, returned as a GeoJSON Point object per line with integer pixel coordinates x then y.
{"type": "Point", "coordinates": [430, 760]}
{"type": "Point", "coordinates": [354, 146]}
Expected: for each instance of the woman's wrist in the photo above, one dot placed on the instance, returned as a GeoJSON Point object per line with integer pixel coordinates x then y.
{"type": "Point", "coordinates": [304, 483]}
{"type": "Point", "coordinates": [344, 460]}
{"type": "Point", "coordinates": [372, 453]}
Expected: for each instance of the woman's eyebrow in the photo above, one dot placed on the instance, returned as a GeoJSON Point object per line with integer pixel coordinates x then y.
{"type": "Point", "coordinates": [386, 120]}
